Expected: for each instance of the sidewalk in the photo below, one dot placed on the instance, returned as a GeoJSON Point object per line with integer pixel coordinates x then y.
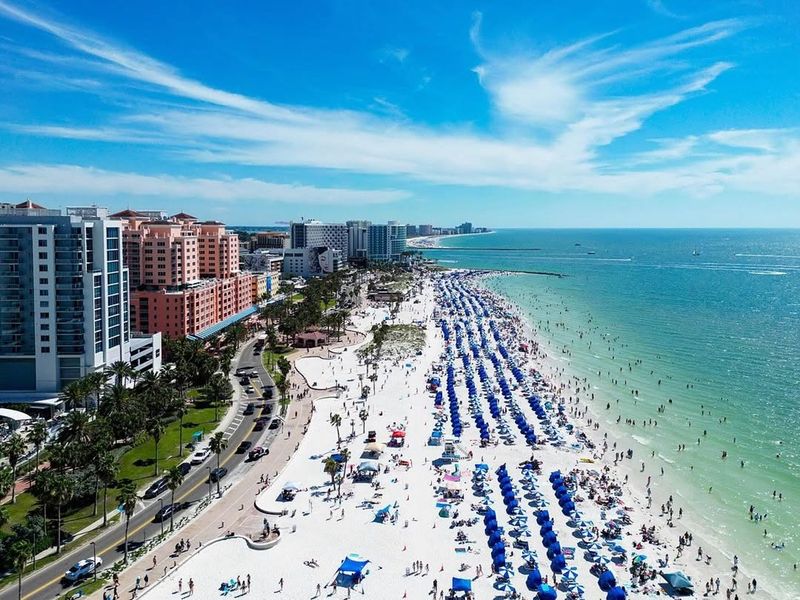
{"type": "Point", "coordinates": [235, 512]}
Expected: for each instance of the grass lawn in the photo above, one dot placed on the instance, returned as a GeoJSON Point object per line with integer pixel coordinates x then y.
{"type": "Point", "coordinates": [138, 463]}
{"type": "Point", "coordinates": [270, 360]}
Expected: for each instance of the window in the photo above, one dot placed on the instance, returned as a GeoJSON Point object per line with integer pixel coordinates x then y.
{"type": "Point", "coordinates": [42, 255]}
{"type": "Point", "coordinates": [46, 349]}
{"type": "Point", "coordinates": [43, 230]}
{"type": "Point", "coordinates": [44, 292]}
{"type": "Point", "coordinates": [44, 315]}
{"type": "Point", "coordinates": [45, 338]}
{"type": "Point", "coordinates": [45, 327]}
{"type": "Point", "coordinates": [42, 243]}
{"type": "Point", "coordinates": [44, 304]}
{"type": "Point", "coordinates": [42, 268]}
{"type": "Point", "coordinates": [42, 280]}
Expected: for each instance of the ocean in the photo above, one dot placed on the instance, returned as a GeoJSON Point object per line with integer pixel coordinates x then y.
{"type": "Point", "coordinates": [698, 330]}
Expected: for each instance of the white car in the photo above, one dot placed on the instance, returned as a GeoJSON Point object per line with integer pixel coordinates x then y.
{"type": "Point", "coordinates": [200, 455]}
{"type": "Point", "coordinates": [83, 568]}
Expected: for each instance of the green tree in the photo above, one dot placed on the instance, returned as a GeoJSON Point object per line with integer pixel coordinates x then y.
{"type": "Point", "coordinates": [236, 334]}
{"type": "Point", "coordinates": [94, 383]}
{"type": "Point", "coordinates": [363, 414]}
{"type": "Point", "coordinates": [156, 429]}
{"type": "Point", "coordinates": [61, 490]}
{"type": "Point", "coordinates": [106, 470]}
{"type": "Point", "coordinates": [283, 386]}
{"type": "Point", "coordinates": [38, 436]}
{"type": "Point", "coordinates": [180, 411]}
{"type": "Point", "coordinates": [121, 371]}
{"type": "Point", "coordinates": [217, 391]}
{"type": "Point", "coordinates": [217, 444]}
{"type": "Point", "coordinates": [6, 481]}
{"type": "Point", "coordinates": [20, 551]}
{"type": "Point", "coordinates": [3, 515]}
{"type": "Point", "coordinates": [174, 480]}
{"type": "Point", "coordinates": [73, 395]}
{"type": "Point", "coordinates": [331, 467]}
{"type": "Point", "coordinates": [76, 429]}
{"type": "Point", "coordinates": [346, 458]}
{"type": "Point", "coordinates": [14, 450]}
{"type": "Point", "coordinates": [336, 421]}
{"type": "Point", "coordinates": [127, 500]}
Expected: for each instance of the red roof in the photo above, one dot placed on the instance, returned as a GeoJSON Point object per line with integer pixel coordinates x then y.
{"type": "Point", "coordinates": [127, 213]}
{"type": "Point", "coordinates": [183, 216]}
{"type": "Point", "coordinates": [28, 204]}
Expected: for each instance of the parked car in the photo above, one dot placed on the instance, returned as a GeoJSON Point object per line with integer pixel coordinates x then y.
{"type": "Point", "coordinates": [257, 453]}
{"type": "Point", "coordinates": [217, 474]}
{"type": "Point", "coordinates": [200, 455]}
{"type": "Point", "coordinates": [83, 568]}
{"type": "Point", "coordinates": [275, 424]}
{"type": "Point", "coordinates": [243, 447]}
{"type": "Point", "coordinates": [249, 409]}
{"type": "Point", "coordinates": [184, 468]}
{"type": "Point", "coordinates": [156, 488]}
{"type": "Point", "coordinates": [259, 426]}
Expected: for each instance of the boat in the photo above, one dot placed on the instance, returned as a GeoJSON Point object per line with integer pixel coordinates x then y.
{"type": "Point", "coordinates": [695, 252]}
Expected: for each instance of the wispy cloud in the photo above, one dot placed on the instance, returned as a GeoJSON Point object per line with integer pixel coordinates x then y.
{"type": "Point", "coordinates": [72, 180]}
{"type": "Point", "coordinates": [557, 111]}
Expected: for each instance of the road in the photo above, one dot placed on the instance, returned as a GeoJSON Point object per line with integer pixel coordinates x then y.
{"type": "Point", "coordinates": [46, 581]}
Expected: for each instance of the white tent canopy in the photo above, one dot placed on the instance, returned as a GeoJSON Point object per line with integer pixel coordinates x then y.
{"type": "Point", "coordinates": [13, 415]}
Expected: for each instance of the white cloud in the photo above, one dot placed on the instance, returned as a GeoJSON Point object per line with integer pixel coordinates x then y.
{"type": "Point", "coordinates": [72, 180]}
{"type": "Point", "coordinates": [562, 104]}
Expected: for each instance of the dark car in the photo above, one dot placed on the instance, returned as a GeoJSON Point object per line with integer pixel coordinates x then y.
{"type": "Point", "coordinates": [249, 409]}
{"type": "Point", "coordinates": [243, 447]}
{"type": "Point", "coordinates": [259, 426]}
{"type": "Point", "coordinates": [217, 474]}
{"type": "Point", "coordinates": [275, 424]}
{"type": "Point", "coordinates": [184, 468]}
{"type": "Point", "coordinates": [267, 408]}
{"type": "Point", "coordinates": [164, 513]}
{"type": "Point", "coordinates": [156, 488]}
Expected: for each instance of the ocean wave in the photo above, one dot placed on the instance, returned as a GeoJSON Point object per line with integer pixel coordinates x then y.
{"type": "Point", "coordinates": [447, 261]}
{"type": "Point", "coordinates": [768, 255]}
{"type": "Point", "coordinates": [773, 273]}
{"type": "Point", "coordinates": [643, 441]}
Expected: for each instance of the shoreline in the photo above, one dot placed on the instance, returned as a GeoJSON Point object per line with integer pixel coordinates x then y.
{"type": "Point", "coordinates": [558, 371]}
{"type": "Point", "coordinates": [434, 241]}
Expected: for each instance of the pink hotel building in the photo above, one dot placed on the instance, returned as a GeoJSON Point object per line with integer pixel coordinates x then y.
{"type": "Point", "coordinates": [184, 274]}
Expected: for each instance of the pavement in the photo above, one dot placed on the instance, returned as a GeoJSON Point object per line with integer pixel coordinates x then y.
{"type": "Point", "coordinates": [45, 582]}
{"type": "Point", "coordinates": [236, 512]}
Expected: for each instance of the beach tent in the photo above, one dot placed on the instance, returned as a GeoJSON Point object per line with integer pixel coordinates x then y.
{"type": "Point", "coordinates": [352, 566]}
{"type": "Point", "coordinates": [534, 580]}
{"type": "Point", "coordinates": [399, 433]}
{"type": "Point", "coordinates": [616, 593]}
{"type": "Point", "coordinates": [546, 592]}
{"type": "Point", "coordinates": [678, 581]}
{"type": "Point", "coordinates": [606, 581]}
{"type": "Point", "coordinates": [374, 447]}
{"type": "Point", "coordinates": [369, 466]}
{"type": "Point", "coordinates": [290, 487]}
{"type": "Point", "coordinates": [462, 585]}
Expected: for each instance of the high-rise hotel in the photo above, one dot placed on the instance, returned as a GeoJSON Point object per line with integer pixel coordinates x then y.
{"type": "Point", "coordinates": [64, 299]}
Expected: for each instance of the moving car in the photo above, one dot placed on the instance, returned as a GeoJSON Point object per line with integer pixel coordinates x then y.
{"type": "Point", "coordinates": [260, 424]}
{"type": "Point", "coordinates": [164, 513]}
{"type": "Point", "coordinates": [257, 453]}
{"type": "Point", "coordinates": [275, 424]}
{"type": "Point", "coordinates": [184, 468]}
{"type": "Point", "coordinates": [217, 474]}
{"type": "Point", "coordinates": [249, 409]}
{"type": "Point", "coordinates": [243, 447]}
{"type": "Point", "coordinates": [156, 488]}
{"type": "Point", "coordinates": [250, 389]}
{"type": "Point", "coordinates": [83, 568]}
{"type": "Point", "coordinates": [200, 455]}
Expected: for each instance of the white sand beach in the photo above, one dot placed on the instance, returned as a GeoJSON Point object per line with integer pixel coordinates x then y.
{"type": "Point", "coordinates": [420, 519]}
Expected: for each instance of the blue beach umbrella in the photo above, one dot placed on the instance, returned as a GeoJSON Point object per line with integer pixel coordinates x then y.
{"type": "Point", "coordinates": [553, 550]}
{"type": "Point", "coordinates": [533, 580]}
{"type": "Point", "coordinates": [549, 538]}
{"type": "Point", "coordinates": [606, 581]}
{"type": "Point", "coordinates": [616, 593]}
{"type": "Point", "coordinates": [558, 563]}
{"type": "Point", "coordinates": [546, 592]}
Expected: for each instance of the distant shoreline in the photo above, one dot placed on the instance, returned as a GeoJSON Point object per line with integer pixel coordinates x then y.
{"type": "Point", "coordinates": [434, 241]}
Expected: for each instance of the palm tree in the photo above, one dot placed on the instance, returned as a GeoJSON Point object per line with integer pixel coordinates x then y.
{"type": "Point", "coordinates": [38, 436]}
{"type": "Point", "coordinates": [174, 479]}
{"type": "Point", "coordinates": [6, 481]}
{"type": "Point", "coordinates": [94, 383]}
{"type": "Point", "coordinates": [3, 515]}
{"type": "Point", "coordinates": [76, 428]}
{"type": "Point", "coordinates": [127, 500]}
{"type": "Point", "coordinates": [155, 428]}
{"type": "Point", "coordinates": [120, 371]}
{"type": "Point", "coordinates": [331, 468]}
{"type": "Point", "coordinates": [236, 334]}
{"type": "Point", "coordinates": [218, 390]}
{"type": "Point", "coordinates": [363, 414]}
{"type": "Point", "coordinates": [336, 421]}
{"type": "Point", "coordinates": [217, 444]}
{"type": "Point", "coordinates": [20, 551]}
{"type": "Point", "coordinates": [226, 359]}
{"type": "Point", "coordinates": [346, 456]}
{"type": "Point", "coordinates": [14, 449]}
{"type": "Point", "coordinates": [61, 489]}
{"type": "Point", "coordinates": [283, 386]}
{"type": "Point", "coordinates": [73, 395]}
{"type": "Point", "coordinates": [106, 470]}
{"type": "Point", "coordinates": [180, 411]}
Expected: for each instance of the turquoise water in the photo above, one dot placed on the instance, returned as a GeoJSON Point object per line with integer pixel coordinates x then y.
{"type": "Point", "coordinates": [720, 330]}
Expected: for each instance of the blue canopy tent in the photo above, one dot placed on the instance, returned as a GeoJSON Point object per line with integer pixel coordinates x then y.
{"type": "Point", "coordinates": [606, 581]}
{"type": "Point", "coordinates": [616, 593]}
{"type": "Point", "coordinates": [558, 564]}
{"type": "Point", "coordinates": [351, 571]}
{"type": "Point", "coordinates": [534, 580]}
{"type": "Point", "coordinates": [462, 585]}
{"type": "Point", "coordinates": [546, 592]}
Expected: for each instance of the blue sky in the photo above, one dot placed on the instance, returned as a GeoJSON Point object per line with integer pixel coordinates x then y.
{"type": "Point", "coordinates": [513, 114]}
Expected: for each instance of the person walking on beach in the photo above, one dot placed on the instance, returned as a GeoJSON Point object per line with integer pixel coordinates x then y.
{"type": "Point", "coordinates": [280, 584]}
{"type": "Point", "coordinates": [191, 586]}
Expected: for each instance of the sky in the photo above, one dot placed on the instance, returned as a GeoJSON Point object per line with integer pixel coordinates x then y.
{"type": "Point", "coordinates": [635, 113]}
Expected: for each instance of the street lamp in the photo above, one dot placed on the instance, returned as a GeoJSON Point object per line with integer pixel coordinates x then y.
{"type": "Point", "coordinates": [161, 505]}
{"type": "Point", "coordinates": [208, 468]}
{"type": "Point", "coordinates": [94, 558]}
